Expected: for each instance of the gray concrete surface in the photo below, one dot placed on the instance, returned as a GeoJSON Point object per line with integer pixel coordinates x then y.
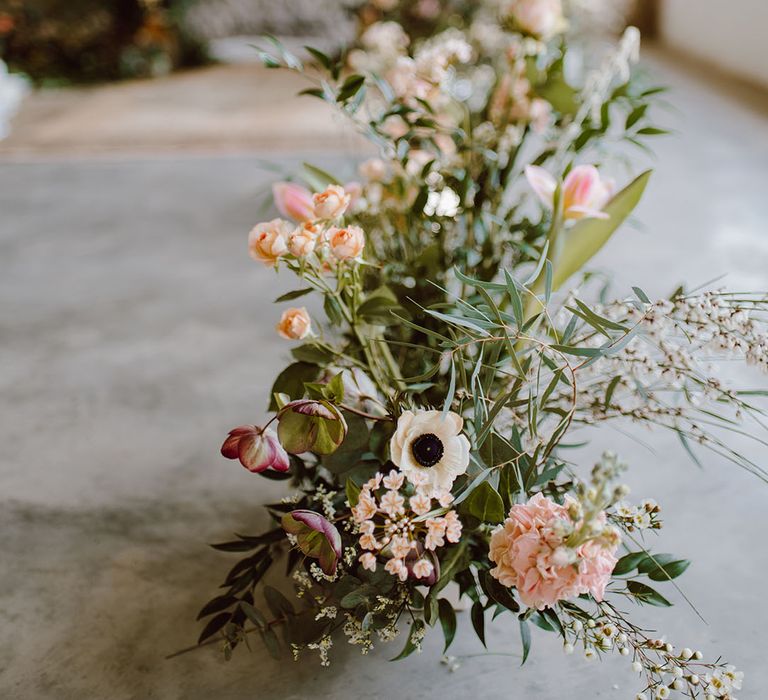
{"type": "Point", "coordinates": [135, 333]}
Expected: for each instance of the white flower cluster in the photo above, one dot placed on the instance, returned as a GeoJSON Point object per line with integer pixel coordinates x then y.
{"type": "Point", "coordinates": [658, 376]}
{"type": "Point", "coordinates": [642, 517]}
{"type": "Point", "coordinates": [666, 669]}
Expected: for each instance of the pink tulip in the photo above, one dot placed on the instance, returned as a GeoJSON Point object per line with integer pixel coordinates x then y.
{"type": "Point", "coordinates": [293, 201]}
{"type": "Point", "coordinates": [584, 193]}
{"type": "Point", "coordinates": [257, 449]}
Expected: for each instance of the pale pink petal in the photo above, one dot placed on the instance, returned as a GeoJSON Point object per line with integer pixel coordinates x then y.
{"type": "Point", "coordinates": [542, 183]}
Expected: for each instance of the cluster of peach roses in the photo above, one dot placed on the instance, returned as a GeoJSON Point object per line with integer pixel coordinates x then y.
{"type": "Point", "coordinates": [314, 216]}
{"type": "Point", "coordinates": [312, 237]}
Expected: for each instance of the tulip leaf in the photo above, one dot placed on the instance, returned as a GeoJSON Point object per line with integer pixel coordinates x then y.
{"type": "Point", "coordinates": [588, 236]}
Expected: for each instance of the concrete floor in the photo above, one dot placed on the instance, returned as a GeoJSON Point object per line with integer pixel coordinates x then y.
{"type": "Point", "coordinates": [135, 334]}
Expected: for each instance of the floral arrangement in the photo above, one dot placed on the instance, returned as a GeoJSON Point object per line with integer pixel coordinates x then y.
{"type": "Point", "coordinates": [425, 421]}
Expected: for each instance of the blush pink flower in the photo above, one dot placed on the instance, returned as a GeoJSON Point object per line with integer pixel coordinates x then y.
{"type": "Point", "coordinates": [368, 561]}
{"type": "Point", "coordinates": [528, 552]}
{"type": "Point", "coordinates": [584, 193]}
{"type": "Point", "coordinates": [293, 201]}
{"type": "Point", "coordinates": [394, 480]}
{"type": "Point", "coordinates": [452, 526]}
{"type": "Point", "coordinates": [397, 567]}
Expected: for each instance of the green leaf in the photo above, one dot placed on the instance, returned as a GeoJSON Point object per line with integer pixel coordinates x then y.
{"type": "Point", "coordinates": [318, 178]}
{"type": "Point", "coordinates": [269, 638]}
{"type": "Point", "coordinates": [641, 295]}
{"type": "Point", "coordinates": [478, 620]}
{"type": "Point", "coordinates": [485, 504]}
{"type": "Point", "coordinates": [635, 116]}
{"type": "Point", "coordinates": [514, 296]}
{"type": "Point", "coordinates": [213, 626]}
{"type": "Point", "coordinates": [411, 644]}
{"type": "Point", "coordinates": [447, 621]}
{"type": "Point", "coordinates": [628, 563]}
{"type": "Point", "coordinates": [588, 236]}
{"type": "Point", "coordinates": [350, 87]}
{"type": "Point", "coordinates": [253, 615]}
{"type": "Point", "coordinates": [334, 389]}
{"type": "Point", "coordinates": [295, 294]}
{"type": "Point", "coordinates": [378, 306]}
{"type": "Point", "coordinates": [291, 381]}
{"type": "Point", "coordinates": [353, 492]}
{"type": "Point", "coordinates": [652, 131]}
{"type": "Point", "coordinates": [277, 602]}
{"type": "Point", "coordinates": [215, 605]}
{"type": "Point", "coordinates": [663, 567]}
{"type": "Point", "coordinates": [525, 637]}
{"type": "Point", "coordinates": [324, 60]}
{"type": "Point", "coordinates": [645, 594]}
{"type": "Point", "coordinates": [313, 354]}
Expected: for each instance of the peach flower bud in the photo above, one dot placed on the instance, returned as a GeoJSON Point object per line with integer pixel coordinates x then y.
{"type": "Point", "coordinates": [269, 241]}
{"type": "Point", "coordinates": [303, 240]}
{"type": "Point", "coordinates": [293, 201]}
{"type": "Point", "coordinates": [354, 189]}
{"type": "Point", "coordinates": [257, 449]}
{"type": "Point", "coordinates": [295, 324]}
{"type": "Point", "coordinates": [373, 169]}
{"type": "Point", "coordinates": [346, 243]}
{"type": "Point", "coordinates": [540, 18]}
{"type": "Point", "coordinates": [331, 203]}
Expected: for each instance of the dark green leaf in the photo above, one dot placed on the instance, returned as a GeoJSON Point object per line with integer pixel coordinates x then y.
{"type": "Point", "coordinates": [628, 563]}
{"type": "Point", "coordinates": [478, 620]}
{"type": "Point", "coordinates": [447, 621]}
{"type": "Point", "coordinates": [484, 503]}
{"type": "Point", "coordinates": [645, 594]}
{"type": "Point", "coordinates": [295, 294]}
{"type": "Point", "coordinates": [218, 604]}
{"type": "Point", "coordinates": [525, 637]}
{"type": "Point", "coordinates": [215, 624]}
{"type": "Point", "coordinates": [411, 645]}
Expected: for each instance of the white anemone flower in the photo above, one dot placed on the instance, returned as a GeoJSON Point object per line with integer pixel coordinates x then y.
{"type": "Point", "coordinates": [430, 447]}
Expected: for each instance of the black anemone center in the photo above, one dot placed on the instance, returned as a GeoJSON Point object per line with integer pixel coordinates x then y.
{"type": "Point", "coordinates": [427, 449]}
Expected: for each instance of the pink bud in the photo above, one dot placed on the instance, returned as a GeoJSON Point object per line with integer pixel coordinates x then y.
{"type": "Point", "coordinates": [293, 201]}
{"type": "Point", "coordinates": [257, 449]}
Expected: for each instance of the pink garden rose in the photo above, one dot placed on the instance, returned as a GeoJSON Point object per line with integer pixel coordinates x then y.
{"type": "Point", "coordinates": [530, 554]}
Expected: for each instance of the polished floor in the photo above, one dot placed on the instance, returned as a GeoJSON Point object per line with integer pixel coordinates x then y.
{"type": "Point", "coordinates": [136, 331]}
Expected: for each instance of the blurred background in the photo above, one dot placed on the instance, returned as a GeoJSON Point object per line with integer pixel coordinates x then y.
{"type": "Point", "coordinates": [139, 138]}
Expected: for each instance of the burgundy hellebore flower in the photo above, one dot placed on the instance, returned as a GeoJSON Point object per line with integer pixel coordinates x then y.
{"type": "Point", "coordinates": [258, 449]}
{"type": "Point", "coordinates": [315, 536]}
